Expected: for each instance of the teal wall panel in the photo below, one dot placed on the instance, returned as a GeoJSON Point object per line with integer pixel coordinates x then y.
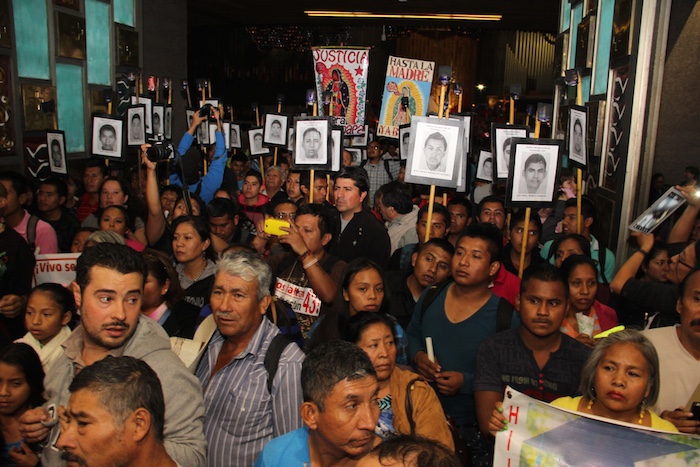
{"type": "Point", "coordinates": [606, 8]}
{"type": "Point", "coordinates": [70, 103]}
{"type": "Point", "coordinates": [586, 88]}
{"type": "Point", "coordinates": [124, 12]}
{"type": "Point", "coordinates": [575, 21]}
{"type": "Point", "coordinates": [99, 64]}
{"type": "Point", "coordinates": [565, 15]}
{"type": "Point", "coordinates": [32, 39]}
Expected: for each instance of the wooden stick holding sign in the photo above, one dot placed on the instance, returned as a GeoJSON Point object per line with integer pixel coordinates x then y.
{"type": "Point", "coordinates": [280, 99]}
{"type": "Point", "coordinates": [526, 223]}
{"type": "Point", "coordinates": [445, 74]}
{"type": "Point", "coordinates": [459, 94]}
{"type": "Point", "coordinates": [579, 172]}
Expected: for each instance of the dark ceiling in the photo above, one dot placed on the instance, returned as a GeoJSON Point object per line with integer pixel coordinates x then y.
{"type": "Point", "coordinates": [524, 15]}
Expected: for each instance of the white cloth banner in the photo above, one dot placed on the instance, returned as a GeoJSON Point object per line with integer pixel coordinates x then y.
{"type": "Point", "coordinates": [301, 299]}
{"type": "Point", "coordinates": [540, 434]}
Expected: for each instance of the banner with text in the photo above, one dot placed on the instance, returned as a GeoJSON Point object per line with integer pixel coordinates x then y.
{"type": "Point", "coordinates": [343, 73]}
{"type": "Point", "coordinates": [540, 434]}
{"type": "Point", "coordinates": [406, 93]}
{"type": "Point", "coordinates": [58, 268]}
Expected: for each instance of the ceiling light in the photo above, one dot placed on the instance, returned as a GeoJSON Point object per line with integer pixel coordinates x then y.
{"type": "Point", "coordinates": [365, 15]}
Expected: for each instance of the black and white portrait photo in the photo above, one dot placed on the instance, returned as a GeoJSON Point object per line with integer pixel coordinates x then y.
{"type": "Point", "coordinates": [404, 139]}
{"type": "Point", "coordinates": [226, 131]}
{"type": "Point", "coordinates": [255, 138]}
{"type": "Point", "coordinates": [168, 123]}
{"type": "Point", "coordinates": [336, 148]}
{"type": "Point", "coordinates": [535, 167]}
{"type": "Point", "coordinates": [235, 137]}
{"type": "Point", "coordinates": [484, 169]}
{"type": "Point", "coordinates": [502, 145]}
{"type": "Point", "coordinates": [360, 141]}
{"type": "Point", "coordinates": [203, 132]}
{"type": "Point", "coordinates": [356, 156]}
{"type": "Point", "coordinates": [312, 142]}
{"type": "Point", "coordinates": [135, 132]}
{"type": "Point", "coordinates": [433, 150]}
{"type": "Point", "coordinates": [107, 136]}
{"type": "Point", "coordinates": [148, 103]}
{"type": "Point", "coordinates": [55, 142]}
{"type": "Point", "coordinates": [290, 139]}
{"type": "Point", "coordinates": [577, 136]}
{"type": "Point", "coordinates": [158, 117]}
{"type": "Point", "coordinates": [275, 130]}
{"type": "Point", "coordinates": [658, 212]}
{"type": "Point", "coordinates": [190, 116]}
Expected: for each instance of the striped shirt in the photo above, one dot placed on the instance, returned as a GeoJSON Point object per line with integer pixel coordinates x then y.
{"type": "Point", "coordinates": [241, 415]}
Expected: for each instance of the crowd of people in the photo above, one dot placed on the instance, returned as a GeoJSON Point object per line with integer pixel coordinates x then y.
{"type": "Point", "coordinates": [249, 313]}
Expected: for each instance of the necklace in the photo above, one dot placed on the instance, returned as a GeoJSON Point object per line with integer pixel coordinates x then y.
{"type": "Point", "coordinates": [182, 274]}
{"type": "Point", "coordinates": [642, 412]}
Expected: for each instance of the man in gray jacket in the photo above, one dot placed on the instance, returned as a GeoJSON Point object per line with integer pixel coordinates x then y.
{"type": "Point", "coordinates": [108, 288]}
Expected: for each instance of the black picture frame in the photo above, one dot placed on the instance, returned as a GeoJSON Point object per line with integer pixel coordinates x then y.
{"type": "Point", "coordinates": [502, 136]}
{"type": "Point", "coordinates": [336, 148]}
{"type": "Point", "coordinates": [577, 136]}
{"type": "Point", "coordinates": [168, 122]}
{"type": "Point", "coordinates": [135, 130]}
{"type": "Point", "coordinates": [235, 138]}
{"type": "Point", "coordinates": [275, 134]}
{"type": "Point", "coordinates": [148, 102]}
{"type": "Point", "coordinates": [157, 120]}
{"type": "Point", "coordinates": [356, 154]}
{"type": "Point", "coordinates": [404, 140]}
{"type": "Point", "coordinates": [312, 144]}
{"type": "Point", "coordinates": [255, 148]}
{"type": "Point", "coordinates": [536, 169]}
{"type": "Point", "coordinates": [483, 171]}
{"type": "Point", "coordinates": [56, 139]}
{"type": "Point", "coordinates": [103, 144]}
{"type": "Point", "coordinates": [436, 146]}
{"type": "Point", "coordinates": [658, 212]}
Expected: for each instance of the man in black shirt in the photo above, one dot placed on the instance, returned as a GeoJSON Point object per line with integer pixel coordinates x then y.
{"type": "Point", "coordinates": [50, 199]}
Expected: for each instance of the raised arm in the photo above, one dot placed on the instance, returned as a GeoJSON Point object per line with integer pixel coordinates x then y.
{"type": "Point", "coordinates": [155, 222]}
{"type": "Point", "coordinates": [629, 269]}
{"type": "Point", "coordinates": [684, 226]}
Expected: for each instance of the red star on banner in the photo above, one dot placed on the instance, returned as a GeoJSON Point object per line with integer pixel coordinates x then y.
{"type": "Point", "coordinates": [358, 71]}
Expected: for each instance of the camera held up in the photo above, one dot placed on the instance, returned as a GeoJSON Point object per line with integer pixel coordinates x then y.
{"type": "Point", "coordinates": [160, 150]}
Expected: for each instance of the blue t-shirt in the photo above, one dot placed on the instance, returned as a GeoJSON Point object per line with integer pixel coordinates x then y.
{"type": "Point", "coordinates": [289, 449]}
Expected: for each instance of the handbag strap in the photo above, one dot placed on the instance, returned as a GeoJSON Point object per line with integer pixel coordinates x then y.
{"type": "Point", "coordinates": [409, 405]}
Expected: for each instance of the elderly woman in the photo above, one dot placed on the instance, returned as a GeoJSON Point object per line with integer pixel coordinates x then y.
{"type": "Point", "coordinates": [398, 389]}
{"type": "Point", "coordinates": [619, 381]}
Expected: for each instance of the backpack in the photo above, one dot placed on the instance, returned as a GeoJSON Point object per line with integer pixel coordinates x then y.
{"type": "Point", "coordinates": [504, 312]}
{"type": "Point", "coordinates": [272, 357]}
{"type": "Point", "coordinates": [386, 167]}
{"type": "Point", "coordinates": [31, 231]}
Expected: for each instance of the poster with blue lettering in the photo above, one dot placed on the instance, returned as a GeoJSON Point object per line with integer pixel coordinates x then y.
{"type": "Point", "coordinates": [342, 72]}
{"type": "Point", "coordinates": [540, 434]}
{"type": "Point", "coordinates": [406, 93]}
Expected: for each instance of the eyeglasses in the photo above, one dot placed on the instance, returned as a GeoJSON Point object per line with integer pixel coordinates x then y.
{"type": "Point", "coordinates": [286, 215]}
{"type": "Point", "coordinates": [681, 260]}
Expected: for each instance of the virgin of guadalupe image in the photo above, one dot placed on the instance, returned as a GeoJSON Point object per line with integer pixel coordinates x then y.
{"type": "Point", "coordinates": [403, 113]}
{"type": "Point", "coordinates": [340, 93]}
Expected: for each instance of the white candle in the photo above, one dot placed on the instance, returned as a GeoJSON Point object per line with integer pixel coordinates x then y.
{"type": "Point", "coordinates": [429, 348]}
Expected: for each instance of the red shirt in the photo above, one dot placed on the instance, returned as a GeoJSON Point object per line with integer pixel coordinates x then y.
{"type": "Point", "coordinates": [506, 285]}
{"type": "Point", "coordinates": [85, 208]}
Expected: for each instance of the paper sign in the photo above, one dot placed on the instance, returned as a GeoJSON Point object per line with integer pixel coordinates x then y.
{"type": "Point", "coordinates": [301, 299]}
{"type": "Point", "coordinates": [58, 268]}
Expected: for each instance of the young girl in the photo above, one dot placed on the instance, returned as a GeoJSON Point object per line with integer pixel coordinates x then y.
{"type": "Point", "coordinates": [583, 308]}
{"type": "Point", "coordinates": [50, 308]}
{"type": "Point", "coordinates": [21, 388]}
{"type": "Point", "coordinates": [362, 289]}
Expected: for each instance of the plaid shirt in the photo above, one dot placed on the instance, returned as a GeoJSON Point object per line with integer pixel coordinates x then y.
{"type": "Point", "coordinates": [378, 176]}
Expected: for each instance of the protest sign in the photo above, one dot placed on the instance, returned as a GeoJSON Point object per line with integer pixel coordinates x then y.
{"type": "Point", "coordinates": [58, 268]}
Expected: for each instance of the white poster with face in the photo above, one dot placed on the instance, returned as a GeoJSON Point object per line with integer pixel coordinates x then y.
{"type": "Point", "coordinates": [135, 132]}
{"type": "Point", "coordinates": [434, 151]}
{"type": "Point", "coordinates": [577, 137]}
{"type": "Point", "coordinates": [168, 123]}
{"type": "Point", "coordinates": [158, 118]}
{"type": "Point", "coordinates": [502, 147]}
{"type": "Point", "coordinates": [311, 146]}
{"type": "Point", "coordinates": [57, 152]}
{"type": "Point", "coordinates": [235, 137]}
{"type": "Point", "coordinates": [484, 170]}
{"type": "Point", "coordinates": [535, 171]}
{"type": "Point", "coordinates": [107, 137]}
{"type": "Point", "coordinates": [146, 101]}
{"type": "Point", "coordinates": [255, 137]}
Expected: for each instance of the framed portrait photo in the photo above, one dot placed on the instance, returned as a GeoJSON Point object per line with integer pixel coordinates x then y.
{"type": "Point", "coordinates": [189, 114]}
{"type": "Point", "coordinates": [356, 154]}
{"type": "Point", "coordinates": [290, 139]}
{"type": "Point", "coordinates": [135, 133]}
{"type": "Point", "coordinates": [404, 139]}
{"type": "Point", "coordinates": [434, 150]}
{"type": "Point", "coordinates": [502, 145]}
{"type": "Point", "coordinates": [658, 212]}
{"type": "Point", "coordinates": [312, 144]}
{"type": "Point", "coordinates": [226, 131]}
{"type": "Point", "coordinates": [533, 179]}
{"type": "Point", "coordinates": [484, 167]}
{"type": "Point", "coordinates": [360, 141]}
{"type": "Point", "coordinates": [275, 133]}
{"type": "Point", "coordinates": [157, 118]}
{"type": "Point", "coordinates": [235, 138]}
{"type": "Point", "coordinates": [168, 123]}
{"type": "Point", "coordinates": [336, 148]}
{"type": "Point", "coordinates": [255, 140]}
{"type": "Point", "coordinates": [203, 132]}
{"type": "Point", "coordinates": [146, 101]}
{"type": "Point", "coordinates": [55, 142]}
{"type": "Point", "coordinates": [107, 133]}
{"type": "Point", "coordinates": [578, 129]}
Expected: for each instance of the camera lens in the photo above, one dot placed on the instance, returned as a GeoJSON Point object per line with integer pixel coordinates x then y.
{"type": "Point", "coordinates": [159, 152]}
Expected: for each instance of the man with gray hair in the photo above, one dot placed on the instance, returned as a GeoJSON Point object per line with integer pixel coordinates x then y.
{"type": "Point", "coordinates": [250, 377]}
{"type": "Point", "coordinates": [340, 410]}
{"type": "Point", "coordinates": [275, 178]}
{"type": "Point", "coordinates": [122, 398]}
